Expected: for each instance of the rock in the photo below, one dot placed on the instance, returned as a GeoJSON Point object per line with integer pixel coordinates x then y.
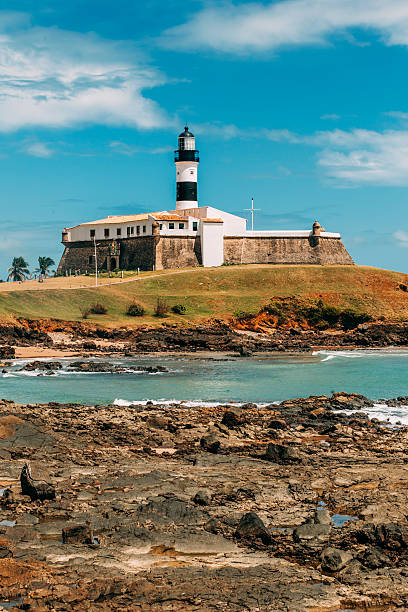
{"type": "Point", "coordinates": [390, 536]}
{"type": "Point", "coordinates": [7, 352]}
{"type": "Point", "coordinates": [310, 533]}
{"type": "Point", "coordinates": [42, 366]}
{"type": "Point", "coordinates": [281, 454]}
{"type": "Point", "coordinates": [202, 497]}
{"type": "Point", "coordinates": [233, 417]}
{"type": "Point", "coordinates": [375, 558]}
{"type": "Point", "coordinates": [77, 534]}
{"type": "Point", "coordinates": [251, 527]}
{"type": "Point", "coordinates": [277, 424]}
{"type": "Point", "coordinates": [36, 489]}
{"type": "Point", "coordinates": [244, 351]}
{"type": "Point", "coordinates": [322, 517]}
{"type": "Point", "coordinates": [334, 559]}
{"type": "Point", "coordinates": [210, 443]}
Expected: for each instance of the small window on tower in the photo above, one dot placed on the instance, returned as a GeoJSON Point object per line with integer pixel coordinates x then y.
{"type": "Point", "coordinates": [92, 233]}
{"type": "Point", "coordinates": [144, 229]}
{"type": "Point", "coordinates": [181, 225]}
{"type": "Point", "coordinates": [191, 171]}
{"type": "Point", "coordinates": [128, 231]}
{"type": "Point", "coordinates": [132, 230]}
{"type": "Point", "coordinates": [138, 229]}
{"type": "Point", "coordinates": [195, 226]}
{"type": "Point", "coordinates": [91, 260]}
{"type": "Point", "coordinates": [161, 226]}
{"type": "Point", "coordinates": [106, 232]}
{"type": "Point", "coordinates": [171, 225]}
{"type": "Point", "coordinates": [118, 231]}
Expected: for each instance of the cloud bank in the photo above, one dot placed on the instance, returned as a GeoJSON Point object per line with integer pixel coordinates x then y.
{"type": "Point", "coordinates": [256, 27]}
{"type": "Point", "coordinates": [51, 77]}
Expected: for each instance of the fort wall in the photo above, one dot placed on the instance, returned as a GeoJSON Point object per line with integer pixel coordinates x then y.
{"type": "Point", "coordinates": [164, 252]}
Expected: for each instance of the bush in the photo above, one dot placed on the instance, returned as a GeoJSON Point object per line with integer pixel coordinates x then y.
{"type": "Point", "coordinates": [98, 309]}
{"type": "Point", "coordinates": [179, 309]}
{"type": "Point", "coordinates": [135, 310]}
{"type": "Point", "coordinates": [161, 308]}
{"type": "Point", "coordinates": [85, 311]}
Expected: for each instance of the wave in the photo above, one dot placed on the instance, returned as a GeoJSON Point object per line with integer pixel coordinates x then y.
{"type": "Point", "coordinates": [8, 375]}
{"type": "Point", "coordinates": [387, 414]}
{"type": "Point", "coordinates": [358, 354]}
{"type": "Point", "coordinates": [189, 403]}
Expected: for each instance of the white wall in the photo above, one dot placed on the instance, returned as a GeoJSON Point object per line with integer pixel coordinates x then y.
{"type": "Point", "coordinates": [82, 232]}
{"type": "Point", "coordinates": [212, 244]}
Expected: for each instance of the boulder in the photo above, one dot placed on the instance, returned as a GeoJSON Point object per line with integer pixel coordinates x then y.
{"type": "Point", "coordinates": [77, 534]}
{"type": "Point", "coordinates": [281, 454]}
{"type": "Point", "coordinates": [251, 527]}
{"type": "Point", "coordinates": [334, 559]}
{"type": "Point", "coordinates": [322, 517]}
{"type": "Point", "coordinates": [210, 443]}
{"type": "Point", "coordinates": [278, 424]}
{"type": "Point", "coordinates": [233, 417]}
{"type": "Point", "coordinates": [311, 534]}
{"type": "Point", "coordinates": [202, 497]}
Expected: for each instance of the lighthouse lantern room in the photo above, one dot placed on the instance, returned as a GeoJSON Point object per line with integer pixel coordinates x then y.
{"type": "Point", "coordinates": [186, 159]}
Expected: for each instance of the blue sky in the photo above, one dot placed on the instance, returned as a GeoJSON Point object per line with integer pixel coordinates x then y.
{"type": "Point", "coordinates": [301, 104]}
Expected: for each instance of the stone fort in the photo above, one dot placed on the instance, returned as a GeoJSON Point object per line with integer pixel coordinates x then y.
{"type": "Point", "coordinates": [191, 235]}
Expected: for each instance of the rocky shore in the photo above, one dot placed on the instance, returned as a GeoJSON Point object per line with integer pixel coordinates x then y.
{"type": "Point", "coordinates": [298, 507]}
{"type": "Point", "coordinates": [213, 336]}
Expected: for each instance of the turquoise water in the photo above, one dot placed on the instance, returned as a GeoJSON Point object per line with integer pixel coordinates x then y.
{"type": "Point", "coordinates": [376, 374]}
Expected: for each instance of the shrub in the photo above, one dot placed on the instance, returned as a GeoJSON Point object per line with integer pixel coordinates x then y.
{"type": "Point", "coordinates": [85, 311]}
{"type": "Point", "coordinates": [135, 310]}
{"type": "Point", "coordinates": [98, 309]}
{"type": "Point", "coordinates": [179, 309]}
{"type": "Point", "coordinates": [161, 308]}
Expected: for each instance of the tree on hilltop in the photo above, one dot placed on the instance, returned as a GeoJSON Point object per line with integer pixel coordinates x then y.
{"type": "Point", "coordinates": [44, 265]}
{"type": "Point", "coordinates": [19, 269]}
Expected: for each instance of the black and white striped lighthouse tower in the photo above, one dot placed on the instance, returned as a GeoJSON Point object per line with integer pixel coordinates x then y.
{"type": "Point", "coordinates": [186, 158]}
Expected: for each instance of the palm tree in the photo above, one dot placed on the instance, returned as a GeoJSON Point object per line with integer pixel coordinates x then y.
{"type": "Point", "coordinates": [19, 269]}
{"type": "Point", "coordinates": [44, 264]}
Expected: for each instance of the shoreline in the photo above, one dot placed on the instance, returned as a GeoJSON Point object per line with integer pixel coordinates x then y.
{"type": "Point", "coordinates": [199, 505]}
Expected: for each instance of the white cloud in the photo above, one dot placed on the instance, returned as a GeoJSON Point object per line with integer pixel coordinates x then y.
{"type": "Point", "coordinates": [330, 117]}
{"type": "Point", "coordinates": [38, 149]}
{"type": "Point", "coordinates": [401, 237]}
{"type": "Point", "coordinates": [57, 78]}
{"type": "Point", "coordinates": [255, 27]}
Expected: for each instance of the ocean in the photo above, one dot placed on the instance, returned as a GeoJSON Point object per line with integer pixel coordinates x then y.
{"type": "Point", "coordinates": [262, 379]}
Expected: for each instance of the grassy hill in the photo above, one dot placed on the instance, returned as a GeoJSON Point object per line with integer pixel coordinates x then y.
{"type": "Point", "coordinates": [217, 292]}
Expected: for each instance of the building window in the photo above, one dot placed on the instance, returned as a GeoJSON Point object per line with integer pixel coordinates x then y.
{"type": "Point", "coordinates": [171, 225]}
{"type": "Point", "coordinates": [144, 229]}
{"type": "Point", "coordinates": [181, 225]}
{"type": "Point", "coordinates": [91, 260]}
{"type": "Point", "coordinates": [195, 226]}
{"type": "Point", "coordinates": [138, 230]}
{"type": "Point", "coordinates": [132, 230]}
{"type": "Point", "coordinates": [118, 231]}
{"type": "Point", "coordinates": [106, 232]}
{"type": "Point", "coordinates": [161, 226]}
{"type": "Point", "coordinates": [92, 233]}
{"type": "Point", "coordinates": [128, 231]}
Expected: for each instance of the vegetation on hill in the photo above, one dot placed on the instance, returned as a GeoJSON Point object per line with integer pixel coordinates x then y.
{"type": "Point", "coordinates": [213, 293]}
{"type": "Point", "coordinates": [293, 313]}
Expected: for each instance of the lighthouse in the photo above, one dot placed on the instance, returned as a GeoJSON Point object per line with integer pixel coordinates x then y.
{"type": "Point", "coordinates": [186, 160]}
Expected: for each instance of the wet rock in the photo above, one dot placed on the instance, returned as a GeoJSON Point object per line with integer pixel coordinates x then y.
{"type": "Point", "coordinates": [42, 365]}
{"type": "Point", "coordinates": [77, 534]}
{"type": "Point", "coordinates": [334, 559]}
{"type": "Point", "coordinates": [281, 454]}
{"type": "Point", "coordinates": [210, 443]}
{"type": "Point", "coordinates": [7, 352]}
{"type": "Point", "coordinates": [251, 527]}
{"type": "Point", "coordinates": [233, 417]}
{"type": "Point", "coordinates": [311, 534]}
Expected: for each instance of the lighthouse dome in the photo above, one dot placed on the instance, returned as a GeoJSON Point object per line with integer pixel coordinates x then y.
{"type": "Point", "coordinates": [186, 140]}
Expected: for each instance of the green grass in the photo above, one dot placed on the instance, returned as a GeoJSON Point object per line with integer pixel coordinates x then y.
{"type": "Point", "coordinates": [218, 293]}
